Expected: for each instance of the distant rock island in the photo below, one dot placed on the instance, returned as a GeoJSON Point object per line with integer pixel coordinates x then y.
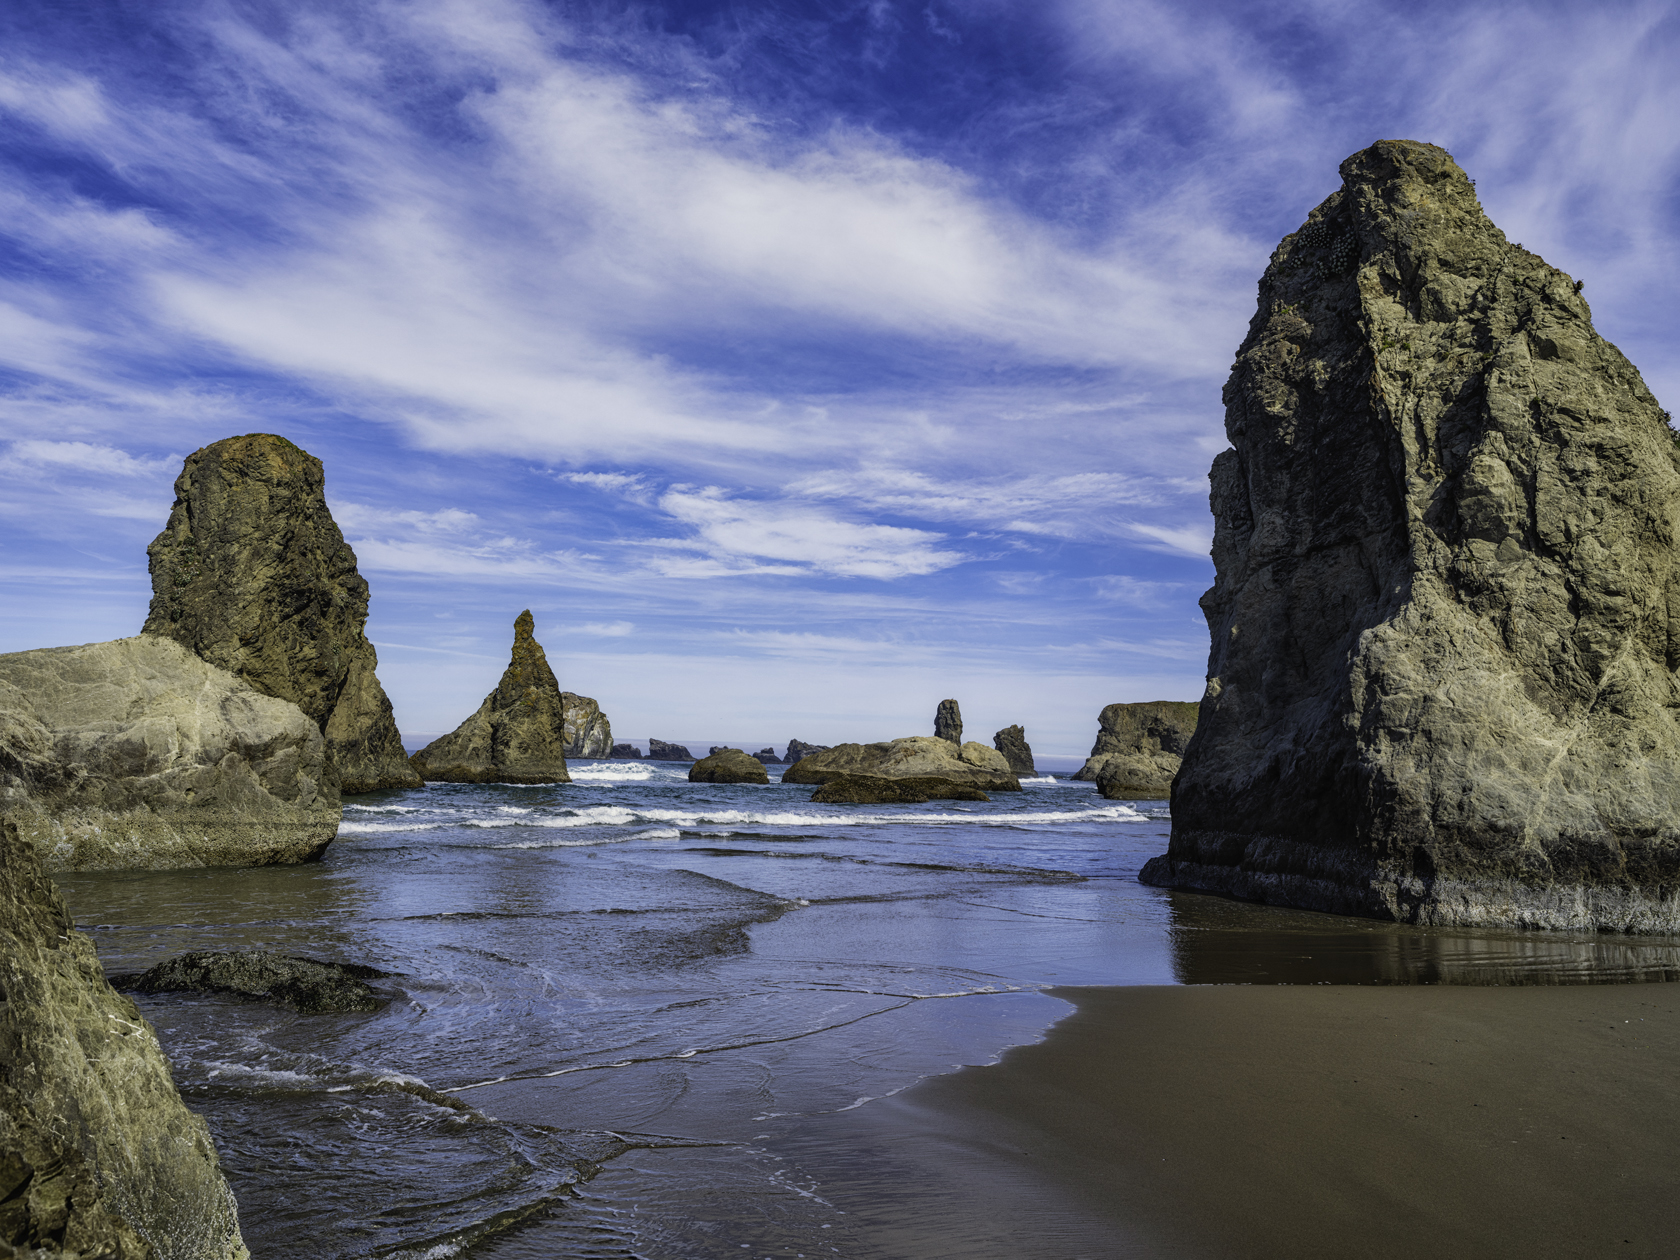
{"type": "Point", "coordinates": [916, 756]}
{"type": "Point", "coordinates": [659, 750]}
{"type": "Point", "coordinates": [798, 750]}
{"type": "Point", "coordinates": [252, 574]}
{"type": "Point", "coordinates": [1139, 747]}
{"type": "Point", "coordinates": [588, 733]}
{"type": "Point", "coordinates": [768, 756]}
{"type": "Point", "coordinates": [625, 750]}
{"type": "Point", "coordinates": [728, 765]}
{"type": "Point", "coordinates": [518, 735]}
{"type": "Point", "coordinates": [1442, 683]}
{"type": "Point", "coordinates": [1011, 741]}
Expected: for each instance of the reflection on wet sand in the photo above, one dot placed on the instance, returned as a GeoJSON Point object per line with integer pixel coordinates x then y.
{"type": "Point", "coordinates": [1215, 940]}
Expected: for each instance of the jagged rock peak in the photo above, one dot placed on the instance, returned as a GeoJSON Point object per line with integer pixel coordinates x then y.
{"type": "Point", "coordinates": [1011, 741]}
{"type": "Point", "coordinates": [947, 722]}
{"type": "Point", "coordinates": [1442, 686]}
{"type": "Point", "coordinates": [252, 574]}
{"type": "Point", "coordinates": [518, 735]}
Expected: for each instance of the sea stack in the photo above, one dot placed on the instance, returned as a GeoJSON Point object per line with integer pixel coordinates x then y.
{"type": "Point", "coordinates": [1139, 747]}
{"type": "Point", "coordinates": [947, 722]}
{"type": "Point", "coordinates": [98, 1154]}
{"type": "Point", "coordinates": [518, 734]}
{"type": "Point", "coordinates": [252, 574]}
{"type": "Point", "coordinates": [1446, 611]}
{"type": "Point", "coordinates": [588, 733]}
{"type": "Point", "coordinates": [1011, 741]}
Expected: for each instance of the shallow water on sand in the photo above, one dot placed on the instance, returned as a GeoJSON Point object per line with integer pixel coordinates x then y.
{"type": "Point", "coordinates": [620, 1008]}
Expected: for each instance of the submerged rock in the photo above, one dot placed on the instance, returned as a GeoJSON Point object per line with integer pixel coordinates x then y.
{"type": "Point", "coordinates": [869, 789]}
{"type": "Point", "coordinates": [304, 984]}
{"type": "Point", "coordinates": [136, 754]}
{"type": "Point", "coordinates": [1446, 612]}
{"type": "Point", "coordinates": [917, 756]}
{"type": "Point", "coordinates": [588, 733]}
{"type": "Point", "coordinates": [518, 734]}
{"type": "Point", "coordinates": [1139, 747]}
{"type": "Point", "coordinates": [98, 1155]}
{"type": "Point", "coordinates": [253, 575]}
{"type": "Point", "coordinates": [728, 765]}
{"type": "Point", "coordinates": [659, 750]}
{"type": "Point", "coordinates": [947, 722]}
{"type": "Point", "coordinates": [625, 750]}
{"type": "Point", "coordinates": [798, 750]}
{"type": "Point", "coordinates": [1011, 741]}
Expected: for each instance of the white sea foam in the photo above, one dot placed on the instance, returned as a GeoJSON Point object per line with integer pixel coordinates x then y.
{"type": "Point", "coordinates": [613, 772]}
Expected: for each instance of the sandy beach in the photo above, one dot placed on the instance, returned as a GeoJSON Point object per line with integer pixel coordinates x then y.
{"type": "Point", "coordinates": [1289, 1121]}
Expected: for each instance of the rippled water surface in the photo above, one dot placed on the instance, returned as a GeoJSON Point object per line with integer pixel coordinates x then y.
{"type": "Point", "coordinates": [620, 1007]}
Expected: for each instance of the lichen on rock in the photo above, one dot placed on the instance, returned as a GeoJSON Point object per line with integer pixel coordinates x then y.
{"type": "Point", "coordinates": [1444, 620]}
{"type": "Point", "coordinates": [518, 735]}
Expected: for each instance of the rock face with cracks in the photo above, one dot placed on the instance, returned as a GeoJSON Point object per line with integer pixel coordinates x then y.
{"type": "Point", "coordinates": [1011, 741]}
{"type": "Point", "coordinates": [252, 574]}
{"type": "Point", "coordinates": [518, 734]}
{"type": "Point", "coordinates": [1446, 613]}
{"type": "Point", "coordinates": [136, 754]}
{"type": "Point", "coordinates": [1139, 747]}
{"type": "Point", "coordinates": [98, 1155]}
{"type": "Point", "coordinates": [917, 756]}
{"type": "Point", "coordinates": [588, 733]}
{"type": "Point", "coordinates": [947, 722]}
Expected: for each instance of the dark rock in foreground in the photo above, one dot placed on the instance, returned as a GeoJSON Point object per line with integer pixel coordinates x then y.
{"type": "Point", "coordinates": [252, 574]}
{"type": "Point", "coordinates": [98, 1155]}
{"type": "Point", "coordinates": [1445, 620]}
{"type": "Point", "coordinates": [868, 789]}
{"type": "Point", "coordinates": [947, 722]}
{"type": "Point", "coordinates": [136, 754]}
{"type": "Point", "coordinates": [587, 731]}
{"type": "Point", "coordinates": [917, 756]}
{"type": "Point", "coordinates": [305, 985]}
{"type": "Point", "coordinates": [659, 750]}
{"type": "Point", "coordinates": [625, 750]}
{"type": "Point", "coordinates": [1011, 741]}
{"type": "Point", "coordinates": [768, 756]}
{"type": "Point", "coordinates": [1139, 747]}
{"type": "Point", "coordinates": [728, 765]}
{"type": "Point", "coordinates": [518, 734]}
{"type": "Point", "coordinates": [798, 750]}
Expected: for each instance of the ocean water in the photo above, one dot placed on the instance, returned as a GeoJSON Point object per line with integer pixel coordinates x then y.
{"type": "Point", "coordinates": [621, 1008]}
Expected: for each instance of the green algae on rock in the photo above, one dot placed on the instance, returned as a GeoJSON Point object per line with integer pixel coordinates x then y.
{"type": "Point", "coordinates": [98, 1154]}
{"type": "Point", "coordinates": [869, 789]}
{"type": "Point", "coordinates": [1446, 612]}
{"type": "Point", "coordinates": [518, 735]}
{"type": "Point", "coordinates": [136, 754]}
{"type": "Point", "coordinates": [306, 985]}
{"type": "Point", "coordinates": [253, 575]}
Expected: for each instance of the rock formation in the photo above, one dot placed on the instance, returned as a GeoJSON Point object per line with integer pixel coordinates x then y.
{"type": "Point", "coordinates": [728, 765]}
{"type": "Point", "coordinates": [868, 789]}
{"type": "Point", "coordinates": [625, 750]}
{"type": "Point", "coordinates": [768, 756]}
{"type": "Point", "coordinates": [947, 722]}
{"type": "Point", "coordinates": [1446, 611]}
{"type": "Point", "coordinates": [98, 1155]}
{"type": "Point", "coordinates": [518, 734]}
{"type": "Point", "coordinates": [798, 750]}
{"type": "Point", "coordinates": [917, 756]}
{"type": "Point", "coordinates": [588, 733]}
{"type": "Point", "coordinates": [1139, 747]}
{"type": "Point", "coordinates": [137, 754]}
{"type": "Point", "coordinates": [659, 750]}
{"type": "Point", "coordinates": [252, 574]}
{"type": "Point", "coordinates": [304, 984]}
{"type": "Point", "coordinates": [1011, 741]}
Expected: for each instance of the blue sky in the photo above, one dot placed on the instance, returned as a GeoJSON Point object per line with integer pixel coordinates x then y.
{"type": "Point", "coordinates": [797, 364]}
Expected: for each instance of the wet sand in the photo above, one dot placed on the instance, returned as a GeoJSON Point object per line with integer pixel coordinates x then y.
{"type": "Point", "coordinates": [1281, 1121]}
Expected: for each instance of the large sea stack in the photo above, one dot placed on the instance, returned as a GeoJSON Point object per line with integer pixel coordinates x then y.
{"type": "Point", "coordinates": [253, 575]}
{"type": "Point", "coordinates": [98, 1155]}
{"type": "Point", "coordinates": [1446, 612]}
{"type": "Point", "coordinates": [1139, 748]}
{"type": "Point", "coordinates": [518, 734]}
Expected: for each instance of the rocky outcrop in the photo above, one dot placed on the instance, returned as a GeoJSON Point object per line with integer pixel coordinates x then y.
{"type": "Point", "coordinates": [625, 750]}
{"type": "Point", "coordinates": [1011, 741]}
{"type": "Point", "coordinates": [98, 1155]}
{"type": "Point", "coordinates": [917, 756]}
{"type": "Point", "coordinates": [868, 789]}
{"type": "Point", "coordinates": [659, 750]}
{"type": "Point", "coordinates": [137, 754]}
{"type": "Point", "coordinates": [303, 984]}
{"type": "Point", "coordinates": [252, 574]}
{"type": "Point", "coordinates": [588, 733]}
{"type": "Point", "coordinates": [1446, 612]}
{"type": "Point", "coordinates": [728, 765]}
{"type": "Point", "coordinates": [798, 750]}
{"type": "Point", "coordinates": [947, 722]}
{"type": "Point", "coordinates": [768, 756]}
{"type": "Point", "coordinates": [1139, 747]}
{"type": "Point", "coordinates": [518, 734]}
